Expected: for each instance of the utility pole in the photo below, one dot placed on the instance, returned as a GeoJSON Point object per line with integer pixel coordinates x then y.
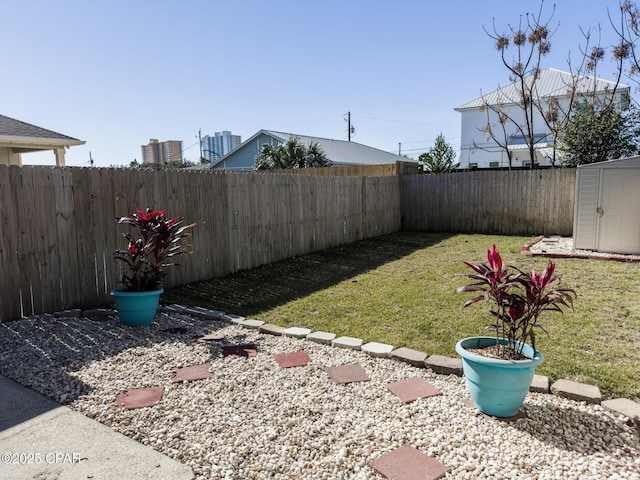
{"type": "Point", "coordinates": [399, 149]}
{"type": "Point", "coordinates": [349, 125]}
{"type": "Point", "coordinates": [200, 141]}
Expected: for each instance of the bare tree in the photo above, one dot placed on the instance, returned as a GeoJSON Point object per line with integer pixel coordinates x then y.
{"type": "Point", "coordinates": [531, 41]}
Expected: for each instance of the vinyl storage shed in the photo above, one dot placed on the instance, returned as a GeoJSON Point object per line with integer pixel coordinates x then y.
{"type": "Point", "coordinates": [607, 206]}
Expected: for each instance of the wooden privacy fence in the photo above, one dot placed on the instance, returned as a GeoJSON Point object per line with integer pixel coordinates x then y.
{"type": "Point", "coordinates": [58, 231]}
{"type": "Point", "coordinates": [517, 202]}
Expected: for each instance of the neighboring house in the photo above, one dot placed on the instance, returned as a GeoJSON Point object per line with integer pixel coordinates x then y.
{"type": "Point", "coordinates": [18, 137]}
{"type": "Point", "coordinates": [478, 150]}
{"type": "Point", "coordinates": [338, 152]}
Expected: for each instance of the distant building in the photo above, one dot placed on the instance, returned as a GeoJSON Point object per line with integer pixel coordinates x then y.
{"type": "Point", "coordinates": [479, 150]}
{"type": "Point", "coordinates": [162, 152]}
{"type": "Point", "coordinates": [217, 146]}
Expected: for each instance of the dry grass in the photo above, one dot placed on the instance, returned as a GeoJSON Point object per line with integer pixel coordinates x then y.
{"type": "Point", "coordinates": [398, 289]}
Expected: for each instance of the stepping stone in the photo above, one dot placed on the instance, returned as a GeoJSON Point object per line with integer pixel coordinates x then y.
{"type": "Point", "coordinates": [413, 389]}
{"type": "Point", "coordinates": [347, 373]}
{"type": "Point", "coordinates": [293, 359]}
{"type": "Point", "coordinates": [139, 397]}
{"type": "Point", "coordinates": [238, 351]}
{"type": "Point", "coordinates": [409, 463]}
{"type": "Point", "coordinates": [194, 372]}
{"type": "Point", "coordinates": [521, 414]}
{"type": "Point", "coordinates": [211, 337]}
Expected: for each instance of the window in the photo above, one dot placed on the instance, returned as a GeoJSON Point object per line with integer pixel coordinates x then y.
{"type": "Point", "coordinates": [494, 164]}
{"type": "Point", "coordinates": [526, 163]}
{"type": "Point", "coordinates": [473, 166]}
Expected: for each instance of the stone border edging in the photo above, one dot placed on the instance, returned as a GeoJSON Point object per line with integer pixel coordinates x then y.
{"type": "Point", "coordinates": [437, 363]}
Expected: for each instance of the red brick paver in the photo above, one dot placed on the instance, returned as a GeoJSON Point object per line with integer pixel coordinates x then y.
{"type": "Point", "coordinates": [409, 463]}
{"type": "Point", "coordinates": [139, 397]}
{"type": "Point", "coordinates": [347, 373]}
{"type": "Point", "coordinates": [293, 359]}
{"type": "Point", "coordinates": [413, 389]}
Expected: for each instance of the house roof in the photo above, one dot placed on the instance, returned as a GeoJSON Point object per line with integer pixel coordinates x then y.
{"type": "Point", "coordinates": [551, 83]}
{"type": "Point", "coordinates": [16, 132]}
{"type": "Point", "coordinates": [338, 152]}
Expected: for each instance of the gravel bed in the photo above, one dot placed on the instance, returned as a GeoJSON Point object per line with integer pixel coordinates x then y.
{"type": "Point", "coordinates": [255, 420]}
{"type": "Point", "coordinates": [564, 245]}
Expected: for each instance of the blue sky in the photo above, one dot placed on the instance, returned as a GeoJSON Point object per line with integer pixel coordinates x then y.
{"type": "Point", "coordinates": [117, 73]}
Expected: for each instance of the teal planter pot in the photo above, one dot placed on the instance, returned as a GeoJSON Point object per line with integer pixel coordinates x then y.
{"type": "Point", "coordinates": [137, 309]}
{"type": "Point", "coordinates": [498, 387]}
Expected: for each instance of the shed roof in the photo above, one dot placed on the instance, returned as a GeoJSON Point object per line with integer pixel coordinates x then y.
{"type": "Point", "coordinates": [551, 83]}
{"type": "Point", "coordinates": [626, 162]}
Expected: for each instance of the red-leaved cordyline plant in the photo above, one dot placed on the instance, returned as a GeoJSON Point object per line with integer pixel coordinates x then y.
{"type": "Point", "coordinates": [158, 239]}
{"type": "Point", "coordinates": [517, 300]}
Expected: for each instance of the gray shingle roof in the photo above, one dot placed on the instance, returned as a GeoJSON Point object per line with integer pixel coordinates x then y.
{"type": "Point", "coordinates": [552, 83]}
{"type": "Point", "coordinates": [10, 127]}
{"type": "Point", "coordinates": [342, 152]}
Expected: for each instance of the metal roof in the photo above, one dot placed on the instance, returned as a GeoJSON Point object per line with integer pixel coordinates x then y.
{"type": "Point", "coordinates": [551, 83]}
{"type": "Point", "coordinates": [342, 152]}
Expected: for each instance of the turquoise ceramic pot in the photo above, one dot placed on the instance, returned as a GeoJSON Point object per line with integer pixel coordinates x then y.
{"type": "Point", "coordinates": [498, 387]}
{"type": "Point", "coordinates": [137, 309]}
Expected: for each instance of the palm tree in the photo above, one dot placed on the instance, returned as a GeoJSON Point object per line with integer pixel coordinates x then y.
{"type": "Point", "coordinates": [291, 154]}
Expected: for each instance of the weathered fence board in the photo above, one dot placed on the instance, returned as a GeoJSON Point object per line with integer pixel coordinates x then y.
{"type": "Point", "coordinates": [59, 233]}
{"type": "Point", "coordinates": [58, 229]}
{"type": "Point", "coordinates": [518, 202]}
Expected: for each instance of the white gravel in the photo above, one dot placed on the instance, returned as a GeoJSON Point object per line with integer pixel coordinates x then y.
{"type": "Point", "coordinates": [254, 420]}
{"type": "Point", "coordinates": [564, 245]}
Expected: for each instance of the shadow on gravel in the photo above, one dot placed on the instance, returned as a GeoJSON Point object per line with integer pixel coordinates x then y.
{"type": "Point", "coordinates": [251, 291]}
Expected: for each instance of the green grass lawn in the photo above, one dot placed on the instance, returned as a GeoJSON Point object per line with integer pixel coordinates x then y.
{"type": "Point", "coordinates": [398, 289]}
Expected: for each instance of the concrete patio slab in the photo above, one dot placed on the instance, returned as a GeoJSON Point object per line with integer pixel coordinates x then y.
{"type": "Point", "coordinates": [71, 446]}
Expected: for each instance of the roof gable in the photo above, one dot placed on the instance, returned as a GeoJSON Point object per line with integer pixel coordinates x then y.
{"type": "Point", "coordinates": [551, 83]}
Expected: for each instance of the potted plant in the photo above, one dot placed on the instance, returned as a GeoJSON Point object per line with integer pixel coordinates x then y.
{"type": "Point", "coordinates": [145, 258]}
{"type": "Point", "coordinates": [499, 369]}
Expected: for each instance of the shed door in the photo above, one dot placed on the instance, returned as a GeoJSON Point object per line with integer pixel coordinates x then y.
{"type": "Point", "coordinates": [619, 225]}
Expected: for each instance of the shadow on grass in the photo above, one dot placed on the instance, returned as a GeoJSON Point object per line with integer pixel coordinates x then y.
{"type": "Point", "coordinates": [251, 292]}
